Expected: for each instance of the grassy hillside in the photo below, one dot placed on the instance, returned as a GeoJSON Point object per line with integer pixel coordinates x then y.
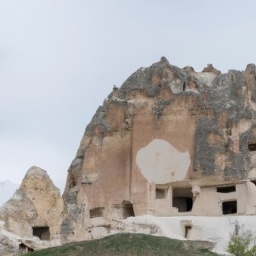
{"type": "Point", "coordinates": [128, 245]}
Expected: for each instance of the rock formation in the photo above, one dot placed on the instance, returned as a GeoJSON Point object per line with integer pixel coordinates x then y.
{"type": "Point", "coordinates": [31, 218]}
{"type": "Point", "coordinates": [168, 142]}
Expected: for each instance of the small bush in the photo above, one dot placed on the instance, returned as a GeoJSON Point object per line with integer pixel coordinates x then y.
{"type": "Point", "coordinates": [239, 245]}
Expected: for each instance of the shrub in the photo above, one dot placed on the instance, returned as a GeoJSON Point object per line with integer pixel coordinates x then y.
{"type": "Point", "coordinates": [239, 245]}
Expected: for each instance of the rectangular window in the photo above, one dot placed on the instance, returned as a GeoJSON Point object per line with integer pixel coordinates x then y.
{"type": "Point", "coordinates": [252, 145]}
{"type": "Point", "coordinates": [229, 207]}
{"type": "Point", "coordinates": [160, 193]}
{"type": "Point", "coordinates": [226, 189]}
{"type": "Point", "coordinates": [42, 232]}
{"type": "Point", "coordinates": [96, 212]}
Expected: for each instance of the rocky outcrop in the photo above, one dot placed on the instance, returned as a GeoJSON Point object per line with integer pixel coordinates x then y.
{"type": "Point", "coordinates": [31, 218]}
{"type": "Point", "coordinates": [166, 143]}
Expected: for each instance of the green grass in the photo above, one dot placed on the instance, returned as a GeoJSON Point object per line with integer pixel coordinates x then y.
{"type": "Point", "coordinates": [128, 245]}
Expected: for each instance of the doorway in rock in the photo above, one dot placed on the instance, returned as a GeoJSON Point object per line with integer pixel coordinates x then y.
{"type": "Point", "coordinates": [42, 232]}
{"type": "Point", "coordinates": [124, 210]}
{"type": "Point", "coordinates": [182, 199]}
{"type": "Point", "coordinates": [229, 207]}
{"type": "Point", "coordinates": [127, 209]}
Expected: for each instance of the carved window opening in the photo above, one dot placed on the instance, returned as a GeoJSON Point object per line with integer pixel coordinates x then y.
{"type": "Point", "coordinates": [127, 209]}
{"type": "Point", "coordinates": [187, 231]}
{"type": "Point", "coordinates": [160, 193]}
{"type": "Point", "coordinates": [42, 232]}
{"type": "Point", "coordinates": [252, 145]}
{"type": "Point", "coordinates": [182, 199]}
{"type": "Point", "coordinates": [229, 207]}
{"type": "Point", "coordinates": [96, 212]}
{"type": "Point", "coordinates": [226, 189]}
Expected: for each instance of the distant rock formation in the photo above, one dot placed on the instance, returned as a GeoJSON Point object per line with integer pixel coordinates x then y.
{"type": "Point", "coordinates": [211, 69]}
{"type": "Point", "coordinates": [168, 142]}
{"type": "Point", "coordinates": [31, 218]}
{"type": "Point", "coordinates": [7, 189]}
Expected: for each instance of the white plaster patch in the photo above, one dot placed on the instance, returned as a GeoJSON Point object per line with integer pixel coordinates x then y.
{"type": "Point", "coordinates": [161, 163]}
{"type": "Point", "coordinates": [217, 230]}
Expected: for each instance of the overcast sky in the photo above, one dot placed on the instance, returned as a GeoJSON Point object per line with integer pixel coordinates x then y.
{"type": "Point", "coordinates": [59, 60]}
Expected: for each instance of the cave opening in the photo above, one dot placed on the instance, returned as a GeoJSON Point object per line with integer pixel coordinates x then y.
{"type": "Point", "coordinates": [160, 193]}
{"type": "Point", "coordinates": [42, 232]}
{"type": "Point", "coordinates": [96, 212]}
{"type": "Point", "coordinates": [226, 189]}
{"type": "Point", "coordinates": [182, 199]}
{"type": "Point", "coordinates": [229, 207]}
{"type": "Point", "coordinates": [127, 209]}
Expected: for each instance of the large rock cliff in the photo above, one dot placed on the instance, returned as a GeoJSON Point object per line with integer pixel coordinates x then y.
{"type": "Point", "coordinates": [165, 133]}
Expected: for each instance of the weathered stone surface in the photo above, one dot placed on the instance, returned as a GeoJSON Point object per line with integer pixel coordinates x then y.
{"type": "Point", "coordinates": [35, 205]}
{"type": "Point", "coordinates": [161, 144]}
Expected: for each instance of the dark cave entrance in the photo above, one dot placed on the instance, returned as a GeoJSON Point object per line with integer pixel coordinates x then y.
{"type": "Point", "coordinates": [226, 189]}
{"type": "Point", "coordinates": [127, 209]}
{"type": "Point", "coordinates": [96, 212]}
{"type": "Point", "coordinates": [229, 207]}
{"type": "Point", "coordinates": [182, 199]}
{"type": "Point", "coordinates": [42, 232]}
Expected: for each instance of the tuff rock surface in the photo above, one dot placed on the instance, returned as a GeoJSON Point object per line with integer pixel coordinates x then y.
{"type": "Point", "coordinates": [165, 136]}
{"type": "Point", "coordinates": [37, 203]}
